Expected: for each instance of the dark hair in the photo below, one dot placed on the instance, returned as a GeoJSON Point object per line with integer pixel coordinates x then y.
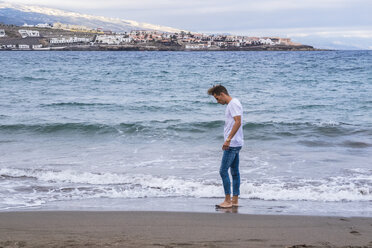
{"type": "Point", "coordinates": [217, 89]}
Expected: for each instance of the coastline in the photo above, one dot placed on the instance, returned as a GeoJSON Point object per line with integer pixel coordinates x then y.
{"type": "Point", "coordinates": [16, 38]}
{"type": "Point", "coordinates": [171, 48]}
{"type": "Point", "coordinates": [182, 48]}
{"type": "Point", "coordinates": [181, 229]}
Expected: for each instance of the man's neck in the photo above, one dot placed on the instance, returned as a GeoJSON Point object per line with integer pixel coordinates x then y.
{"type": "Point", "coordinates": [228, 99]}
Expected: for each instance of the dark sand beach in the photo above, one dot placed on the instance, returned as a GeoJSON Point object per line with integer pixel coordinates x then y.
{"type": "Point", "coordinates": [175, 229]}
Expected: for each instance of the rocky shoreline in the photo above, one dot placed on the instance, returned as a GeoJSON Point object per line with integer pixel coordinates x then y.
{"type": "Point", "coordinates": [181, 48]}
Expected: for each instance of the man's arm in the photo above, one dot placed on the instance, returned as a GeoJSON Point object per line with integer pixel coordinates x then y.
{"type": "Point", "coordinates": [235, 128]}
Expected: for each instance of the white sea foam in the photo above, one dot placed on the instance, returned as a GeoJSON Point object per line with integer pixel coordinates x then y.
{"type": "Point", "coordinates": [306, 191]}
{"type": "Point", "coordinates": [42, 186]}
{"type": "Point", "coordinates": [329, 123]}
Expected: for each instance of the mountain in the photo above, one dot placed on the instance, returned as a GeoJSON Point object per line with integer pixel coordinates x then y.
{"type": "Point", "coordinates": [19, 14]}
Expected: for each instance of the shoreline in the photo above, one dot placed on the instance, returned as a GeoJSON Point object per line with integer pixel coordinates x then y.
{"type": "Point", "coordinates": [163, 50]}
{"type": "Point", "coordinates": [182, 229]}
{"type": "Point", "coordinates": [205, 205]}
{"type": "Point", "coordinates": [170, 48]}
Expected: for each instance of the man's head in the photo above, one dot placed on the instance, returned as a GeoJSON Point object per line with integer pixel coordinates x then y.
{"type": "Point", "coordinates": [220, 94]}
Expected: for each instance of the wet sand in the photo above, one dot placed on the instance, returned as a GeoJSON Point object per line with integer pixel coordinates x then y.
{"type": "Point", "coordinates": [175, 229]}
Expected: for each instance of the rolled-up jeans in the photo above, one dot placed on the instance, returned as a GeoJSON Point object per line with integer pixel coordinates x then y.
{"type": "Point", "coordinates": [230, 159]}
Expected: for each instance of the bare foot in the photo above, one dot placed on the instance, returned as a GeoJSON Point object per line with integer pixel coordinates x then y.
{"type": "Point", "coordinates": [235, 201]}
{"type": "Point", "coordinates": [224, 205]}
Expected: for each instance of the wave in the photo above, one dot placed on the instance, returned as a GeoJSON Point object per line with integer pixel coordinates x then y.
{"type": "Point", "coordinates": [330, 128]}
{"type": "Point", "coordinates": [252, 130]}
{"type": "Point", "coordinates": [138, 108]}
{"type": "Point", "coordinates": [356, 144]}
{"type": "Point", "coordinates": [136, 127]}
{"type": "Point", "coordinates": [29, 78]}
{"type": "Point", "coordinates": [69, 184]}
{"type": "Point", "coordinates": [312, 106]}
{"type": "Point", "coordinates": [347, 143]}
{"type": "Point", "coordinates": [57, 127]}
{"type": "Point", "coordinates": [76, 104]}
{"type": "Point", "coordinates": [197, 126]}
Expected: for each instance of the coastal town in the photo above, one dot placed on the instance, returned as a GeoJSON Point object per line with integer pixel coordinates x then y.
{"type": "Point", "coordinates": [59, 36]}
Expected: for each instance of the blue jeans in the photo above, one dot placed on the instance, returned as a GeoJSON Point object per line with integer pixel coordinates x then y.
{"type": "Point", "coordinates": [230, 159]}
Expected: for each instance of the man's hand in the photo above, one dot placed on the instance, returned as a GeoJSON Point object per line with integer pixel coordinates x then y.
{"type": "Point", "coordinates": [226, 145]}
{"type": "Point", "coordinates": [237, 124]}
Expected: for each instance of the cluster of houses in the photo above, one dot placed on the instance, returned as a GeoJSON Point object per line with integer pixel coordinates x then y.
{"type": "Point", "coordinates": [40, 25]}
{"type": "Point", "coordinates": [31, 39]}
{"type": "Point", "coordinates": [70, 40]}
{"type": "Point", "coordinates": [189, 40]}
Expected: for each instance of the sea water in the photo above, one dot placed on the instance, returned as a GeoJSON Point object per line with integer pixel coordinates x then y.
{"type": "Point", "coordinates": [137, 131]}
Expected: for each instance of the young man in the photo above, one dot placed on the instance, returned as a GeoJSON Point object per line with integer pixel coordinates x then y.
{"type": "Point", "coordinates": [233, 136]}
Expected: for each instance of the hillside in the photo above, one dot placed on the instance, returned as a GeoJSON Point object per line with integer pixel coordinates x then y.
{"type": "Point", "coordinates": [12, 32]}
{"type": "Point", "coordinates": [19, 14]}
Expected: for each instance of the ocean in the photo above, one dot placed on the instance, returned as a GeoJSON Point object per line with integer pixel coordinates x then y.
{"type": "Point", "coordinates": [137, 131]}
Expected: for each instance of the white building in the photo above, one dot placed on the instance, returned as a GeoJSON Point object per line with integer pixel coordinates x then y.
{"type": "Point", "coordinates": [127, 40]}
{"type": "Point", "coordinates": [267, 41]}
{"type": "Point", "coordinates": [23, 46]}
{"type": "Point", "coordinates": [196, 46]}
{"type": "Point", "coordinates": [29, 33]}
{"type": "Point", "coordinates": [112, 39]}
{"type": "Point", "coordinates": [43, 25]}
{"type": "Point", "coordinates": [69, 40]}
{"type": "Point", "coordinates": [26, 25]}
{"type": "Point", "coordinates": [12, 46]}
{"type": "Point", "coordinates": [231, 38]}
{"type": "Point", "coordinates": [2, 33]}
{"type": "Point", "coordinates": [236, 44]}
{"type": "Point", "coordinates": [37, 46]}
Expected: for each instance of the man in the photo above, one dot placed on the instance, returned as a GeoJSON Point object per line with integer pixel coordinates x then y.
{"type": "Point", "coordinates": [233, 136]}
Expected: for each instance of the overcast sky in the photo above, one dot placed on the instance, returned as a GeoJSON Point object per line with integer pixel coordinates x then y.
{"type": "Point", "coordinates": [322, 23]}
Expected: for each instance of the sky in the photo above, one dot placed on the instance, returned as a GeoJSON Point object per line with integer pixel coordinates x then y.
{"type": "Point", "coordinates": [335, 24]}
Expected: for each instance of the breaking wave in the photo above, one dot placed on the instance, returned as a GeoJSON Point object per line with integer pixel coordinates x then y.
{"type": "Point", "coordinates": [52, 185]}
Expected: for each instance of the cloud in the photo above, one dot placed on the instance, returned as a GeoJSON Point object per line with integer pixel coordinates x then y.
{"type": "Point", "coordinates": [324, 32]}
{"type": "Point", "coordinates": [324, 37]}
{"type": "Point", "coordinates": [330, 32]}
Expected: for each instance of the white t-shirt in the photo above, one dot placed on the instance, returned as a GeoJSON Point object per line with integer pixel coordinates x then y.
{"type": "Point", "coordinates": [234, 108]}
